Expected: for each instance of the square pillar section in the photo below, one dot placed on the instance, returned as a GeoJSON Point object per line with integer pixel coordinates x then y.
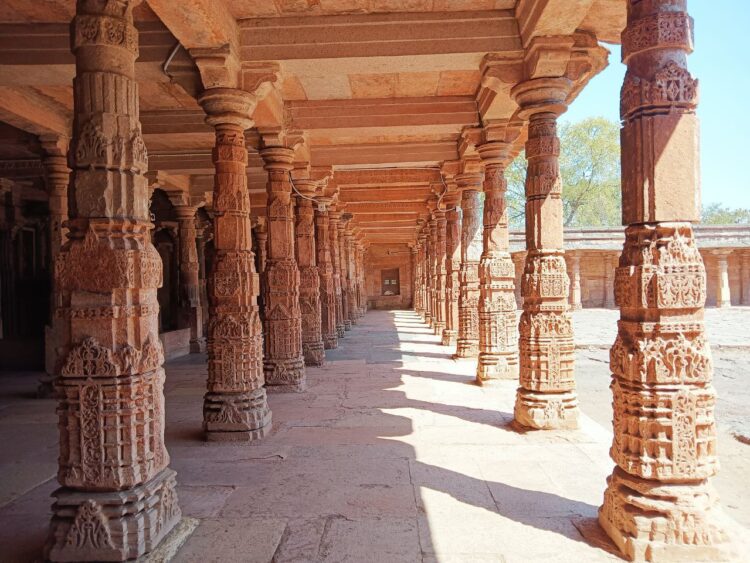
{"type": "Point", "coordinates": [235, 406]}
{"type": "Point", "coordinates": [546, 397]}
{"type": "Point", "coordinates": [659, 504]}
{"type": "Point", "coordinates": [117, 499]}
{"type": "Point", "coordinates": [283, 364]}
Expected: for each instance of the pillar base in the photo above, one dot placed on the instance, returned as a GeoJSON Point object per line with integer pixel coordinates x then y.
{"type": "Point", "coordinates": [546, 411]}
{"type": "Point", "coordinates": [449, 337]}
{"type": "Point", "coordinates": [330, 343]}
{"type": "Point", "coordinates": [466, 348]}
{"type": "Point", "coordinates": [236, 417]}
{"type": "Point", "coordinates": [340, 329]}
{"type": "Point", "coordinates": [724, 304]}
{"type": "Point", "coordinates": [492, 368]}
{"type": "Point", "coordinates": [46, 387]}
{"type": "Point", "coordinates": [655, 521]}
{"type": "Point", "coordinates": [314, 353]}
{"type": "Point", "coordinates": [198, 346]}
{"type": "Point", "coordinates": [112, 526]}
{"type": "Point", "coordinates": [285, 376]}
{"type": "Point", "coordinates": [347, 325]}
{"type": "Point", "coordinates": [439, 327]}
{"type": "Point", "coordinates": [576, 307]}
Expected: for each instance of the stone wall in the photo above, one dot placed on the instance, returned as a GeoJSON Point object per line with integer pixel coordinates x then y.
{"type": "Point", "coordinates": [386, 257]}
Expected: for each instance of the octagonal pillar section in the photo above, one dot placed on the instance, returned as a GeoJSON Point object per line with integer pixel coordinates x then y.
{"type": "Point", "coordinates": [467, 342]}
{"type": "Point", "coordinates": [498, 333]}
{"type": "Point", "coordinates": [117, 499]}
{"type": "Point", "coordinates": [659, 504]}
{"type": "Point", "coordinates": [283, 364]}
{"type": "Point", "coordinates": [546, 397]}
{"type": "Point", "coordinates": [235, 406]}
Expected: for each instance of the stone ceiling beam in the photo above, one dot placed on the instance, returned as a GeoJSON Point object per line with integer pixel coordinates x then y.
{"type": "Point", "coordinates": [405, 154]}
{"type": "Point", "coordinates": [27, 109]}
{"type": "Point", "coordinates": [377, 35]}
{"type": "Point", "coordinates": [537, 18]}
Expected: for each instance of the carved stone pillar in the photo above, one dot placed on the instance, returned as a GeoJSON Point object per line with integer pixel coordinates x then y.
{"type": "Point", "coordinates": [343, 261]}
{"type": "Point", "coordinates": [546, 397]}
{"type": "Point", "coordinates": [361, 293]}
{"type": "Point", "coordinates": [429, 271]}
{"type": "Point", "coordinates": [745, 278]}
{"type": "Point", "coordinates": [57, 176]}
{"type": "Point", "coordinates": [519, 259]}
{"type": "Point", "coordinates": [117, 499]}
{"type": "Point", "coordinates": [452, 269]}
{"type": "Point", "coordinates": [414, 277]}
{"type": "Point", "coordinates": [191, 314]}
{"type": "Point", "coordinates": [659, 504]}
{"type": "Point", "coordinates": [467, 343]}
{"type": "Point", "coordinates": [609, 282]}
{"type": "Point", "coordinates": [438, 321]}
{"type": "Point", "coordinates": [498, 333]}
{"type": "Point", "coordinates": [283, 363]}
{"type": "Point", "coordinates": [723, 295]}
{"type": "Point", "coordinates": [420, 273]}
{"type": "Point", "coordinates": [325, 271]}
{"type": "Point", "coordinates": [574, 267]}
{"type": "Point", "coordinates": [309, 290]}
{"type": "Point", "coordinates": [334, 218]}
{"type": "Point", "coordinates": [261, 243]}
{"type": "Point", "coordinates": [235, 406]}
{"type": "Point", "coordinates": [351, 281]}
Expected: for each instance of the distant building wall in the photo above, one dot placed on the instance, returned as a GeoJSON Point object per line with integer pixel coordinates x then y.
{"type": "Point", "coordinates": [388, 257]}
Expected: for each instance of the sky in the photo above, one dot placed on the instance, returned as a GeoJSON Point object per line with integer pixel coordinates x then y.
{"type": "Point", "coordinates": [721, 63]}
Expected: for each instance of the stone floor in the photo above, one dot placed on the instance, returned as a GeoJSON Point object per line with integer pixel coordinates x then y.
{"type": "Point", "coordinates": [393, 454]}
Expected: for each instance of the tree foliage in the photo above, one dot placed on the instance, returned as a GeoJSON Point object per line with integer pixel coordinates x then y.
{"type": "Point", "coordinates": [590, 170]}
{"type": "Point", "coordinates": [718, 214]}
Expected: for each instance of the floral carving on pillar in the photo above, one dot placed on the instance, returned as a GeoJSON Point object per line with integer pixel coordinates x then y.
{"type": "Point", "coordinates": [498, 333]}
{"type": "Point", "coordinates": [113, 464]}
{"type": "Point", "coordinates": [659, 503]}
{"type": "Point", "coordinates": [335, 249]}
{"type": "Point", "coordinates": [452, 269]}
{"type": "Point", "coordinates": [283, 364]}
{"type": "Point", "coordinates": [309, 290]}
{"type": "Point", "coordinates": [546, 397]}
{"type": "Point", "coordinates": [325, 271]}
{"type": "Point", "coordinates": [467, 342]}
{"type": "Point", "coordinates": [235, 406]}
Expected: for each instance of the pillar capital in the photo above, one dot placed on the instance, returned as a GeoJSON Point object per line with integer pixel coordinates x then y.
{"type": "Point", "coordinates": [469, 181]}
{"type": "Point", "coordinates": [185, 212]}
{"type": "Point", "coordinates": [277, 158]}
{"type": "Point", "coordinates": [494, 153]}
{"type": "Point", "coordinates": [228, 106]}
{"type": "Point", "coordinates": [542, 95]}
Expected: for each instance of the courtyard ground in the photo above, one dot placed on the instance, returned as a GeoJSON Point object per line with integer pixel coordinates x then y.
{"type": "Point", "coordinates": [393, 454]}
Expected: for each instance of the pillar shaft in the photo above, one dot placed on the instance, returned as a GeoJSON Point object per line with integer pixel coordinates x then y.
{"type": "Point", "coordinates": [309, 292]}
{"type": "Point", "coordinates": [438, 321]}
{"type": "Point", "coordinates": [452, 269]}
{"type": "Point", "coordinates": [429, 274]}
{"type": "Point", "coordinates": [191, 314]}
{"type": "Point", "coordinates": [659, 504]}
{"type": "Point", "coordinates": [498, 333]}
{"type": "Point", "coordinates": [609, 282]}
{"type": "Point", "coordinates": [235, 406]}
{"type": "Point", "coordinates": [467, 343]}
{"type": "Point", "coordinates": [420, 275]}
{"type": "Point", "coordinates": [546, 396]}
{"type": "Point", "coordinates": [117, 499]}
{"type": "Point", "coordinates": [745, 278]}
{"type": "Point", "coordinates": [343, 261]}
{"type": "Point", "coordinates": [574, 262]}
{"type": "Point", "coordinates": [283, 363]}
{"type": "Point", "coordinates": [335, 217]}
{"type": "Point", "coordinates": [723, 293]}
{"type": "Point", "coordinates": [325, 271]}
{"type": "Point", "coordinates": [351, 281]}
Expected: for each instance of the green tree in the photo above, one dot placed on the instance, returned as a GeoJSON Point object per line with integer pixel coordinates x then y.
{"type": "Point", "coordinates": [590, 170]}
{"type": "Point", "coordinates": [718, 214]}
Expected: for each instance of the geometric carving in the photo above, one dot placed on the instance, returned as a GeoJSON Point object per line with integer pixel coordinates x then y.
{"type": "Point", "coordinates": [467, 342]}
{"type": "Point", "coordinates": [90, 529]}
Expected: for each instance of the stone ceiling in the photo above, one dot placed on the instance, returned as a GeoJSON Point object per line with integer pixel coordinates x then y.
{"type": "Point", "coordinates": [400, 85]}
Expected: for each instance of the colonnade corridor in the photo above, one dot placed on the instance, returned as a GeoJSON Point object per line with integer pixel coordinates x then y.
{"type": "Point", "coordinates": [392, 454]}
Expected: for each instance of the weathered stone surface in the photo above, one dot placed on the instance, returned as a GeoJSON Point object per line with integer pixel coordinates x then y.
{"type": "Point", "coordinates": [326, 272]}
{"type": "Point", "coordinates": [452, 269]}
{"type": "Point", "coordinates": [283, 363]}
{"type": "Point", "coordinates": [467, 344]}
{"type": "Point", "coordinates": [117, 498]}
